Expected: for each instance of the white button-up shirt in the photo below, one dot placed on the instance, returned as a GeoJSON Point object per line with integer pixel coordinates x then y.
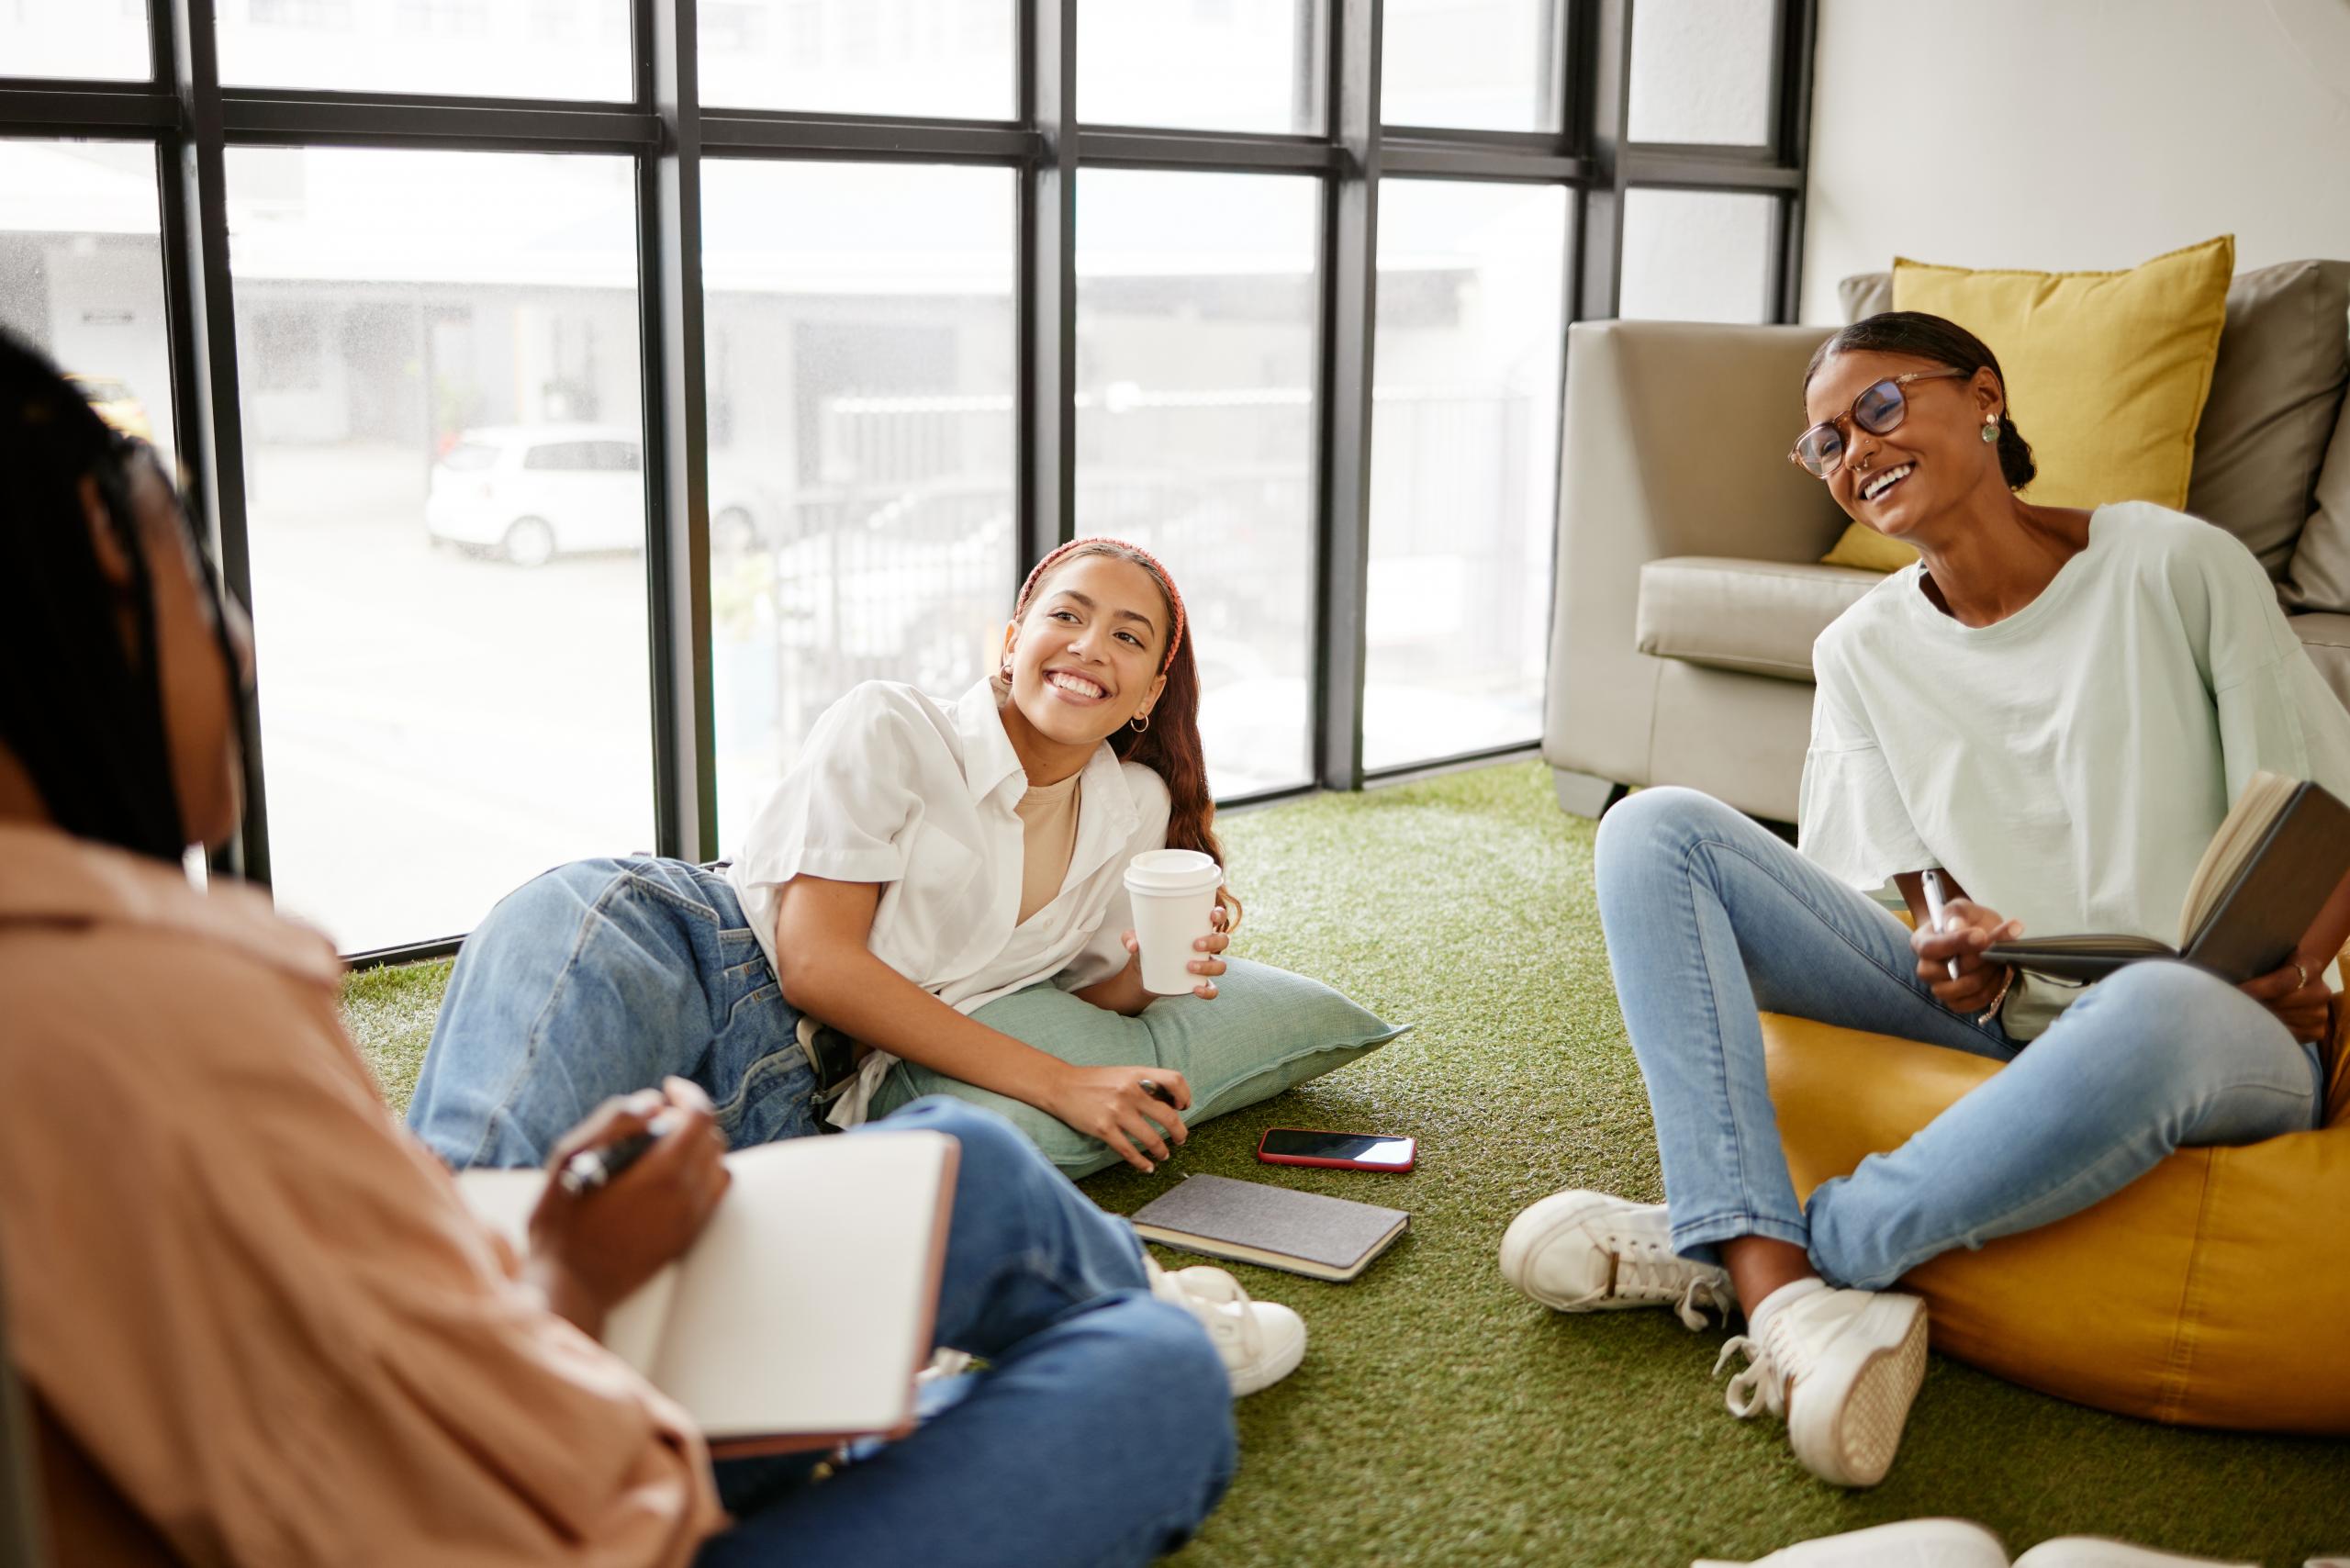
{"type": "Point", "coordinates": [896, 789]}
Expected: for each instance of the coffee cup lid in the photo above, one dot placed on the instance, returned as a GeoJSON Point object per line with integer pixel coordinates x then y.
{"type": "Point", "coordinates": [1173, 871]}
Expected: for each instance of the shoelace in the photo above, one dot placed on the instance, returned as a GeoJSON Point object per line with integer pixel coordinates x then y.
{"type": "Point", "coordinates": [1770, 1366]}
{"type": "Point", "coordinates": [1755, 1387]}
{"type": "Point", "coordinates": [1646, 1275]}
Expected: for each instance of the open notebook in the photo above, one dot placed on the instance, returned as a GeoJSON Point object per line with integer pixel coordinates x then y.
{"type": "Point", "coordinates": [801, 1313]}
{"type": "Point", "coordinates": [2262, 880]}
{"type": "Point", "coordinates": [1961, 1543]}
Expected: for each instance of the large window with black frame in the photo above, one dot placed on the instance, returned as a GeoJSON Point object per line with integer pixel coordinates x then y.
{"type": "Point", "coordinates": [586, 393]}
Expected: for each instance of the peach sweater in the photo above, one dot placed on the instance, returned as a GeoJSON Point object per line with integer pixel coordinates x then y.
{"type": "Point", "coordinates": [245, 1297]}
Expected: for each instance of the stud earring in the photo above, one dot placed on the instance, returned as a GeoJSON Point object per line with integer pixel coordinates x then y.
{"type": "Point", "coordinates": [1990, 430]}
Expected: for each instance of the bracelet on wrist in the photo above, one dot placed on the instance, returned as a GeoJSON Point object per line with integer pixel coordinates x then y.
{"type": "Point", "coordinates": [1992, 1011]}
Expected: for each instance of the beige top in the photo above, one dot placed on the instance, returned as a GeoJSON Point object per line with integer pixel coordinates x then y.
{"type": "Point", "coordinates": [1047, 815]}
{"type": "Point", "coordinates": [252, 1303]}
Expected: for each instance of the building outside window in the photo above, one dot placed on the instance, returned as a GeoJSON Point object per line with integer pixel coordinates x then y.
{"type": "Point", "coordinates": [446, 489]}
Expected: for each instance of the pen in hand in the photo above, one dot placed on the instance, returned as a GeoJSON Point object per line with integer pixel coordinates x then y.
{"type": "Point", "coordinates": [592, 1169]}
{"type": "Point", "coordinates": [1933, 885]}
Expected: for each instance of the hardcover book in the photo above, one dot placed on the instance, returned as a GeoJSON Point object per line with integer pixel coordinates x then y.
{"type": "Point", "coordinates": [1277, 1227]}
{"type": "Point", "coordinates": [2266, 875]}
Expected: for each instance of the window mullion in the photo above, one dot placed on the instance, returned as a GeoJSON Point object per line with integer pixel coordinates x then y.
{"type": "Point", "coordinates": [201, 323]}
{"type": "Point", "coordinates": [1350, 266]}
{"type": "Point", "coordinates": [677, 437]}
{"type": "Point", "coordinates": [1799, 22]}
{"type": "Point", "coordinates": [1047, 314]}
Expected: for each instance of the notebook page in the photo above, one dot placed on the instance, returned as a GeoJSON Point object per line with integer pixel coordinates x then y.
{"type": "Point", "coordinates": [2246, 824]}
{"type": "Point", "coordinates": [503, 1200]}
{"type": "Point", "coordinates": [807, 1304]}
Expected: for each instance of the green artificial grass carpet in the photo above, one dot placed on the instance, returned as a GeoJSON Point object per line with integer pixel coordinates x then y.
{"type": "Point", "coordinates": [1442, 1418]}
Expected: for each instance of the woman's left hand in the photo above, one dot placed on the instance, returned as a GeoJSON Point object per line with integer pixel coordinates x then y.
{"type": "Point", "coordinates": [2297, 994]}
{"type": "Point", "coordinates": [1209, 947]}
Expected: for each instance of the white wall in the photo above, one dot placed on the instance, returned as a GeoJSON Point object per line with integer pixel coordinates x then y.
{"type": "Point", "coordinates": [2075, 134]}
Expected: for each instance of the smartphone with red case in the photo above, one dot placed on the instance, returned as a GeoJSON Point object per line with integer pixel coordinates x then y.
{"type": "Point", "coordinates": [1336, 1151]}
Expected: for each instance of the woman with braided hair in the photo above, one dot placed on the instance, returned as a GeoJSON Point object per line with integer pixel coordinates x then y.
{"type": "Point", "coordinates": [920, 859]}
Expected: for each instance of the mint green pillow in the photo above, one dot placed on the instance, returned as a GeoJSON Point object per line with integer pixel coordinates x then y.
{"type": "Point", "coordinates": [1266, 1030]}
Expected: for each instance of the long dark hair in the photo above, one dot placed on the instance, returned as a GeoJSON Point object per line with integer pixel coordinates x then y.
{"type": "Point", "coordinates": [1921, 336]}
{"type": "Point", "coordinates": [83, 714]}
{"type": "Point", "coordinates": [1169, 745]}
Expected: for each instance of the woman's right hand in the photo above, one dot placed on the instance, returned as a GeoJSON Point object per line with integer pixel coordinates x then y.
{"type": "Point", "coordinates": [1967, 929]}
{"type": "Point", "coordinates": [589, 1253]}
{"type": "Point", "coordinates": [1111, 1103]}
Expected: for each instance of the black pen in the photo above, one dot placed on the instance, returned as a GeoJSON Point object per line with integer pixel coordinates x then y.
{"type": "Point", "coordinates": [1158, 1091]}
{"type": "Point", "coordinates": [593, 1169]}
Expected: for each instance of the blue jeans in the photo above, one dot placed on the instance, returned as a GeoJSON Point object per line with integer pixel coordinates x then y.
{"type": "Point", "coordinates": [1102, 1433]}
{"type": "Point", "coordinates": [601, 977]}
{"type": "Point", "coordinates": [1710, 916]}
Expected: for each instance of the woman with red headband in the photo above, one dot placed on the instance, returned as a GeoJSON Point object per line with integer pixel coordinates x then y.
{"type": "Point", "coordinates": [920, 860]}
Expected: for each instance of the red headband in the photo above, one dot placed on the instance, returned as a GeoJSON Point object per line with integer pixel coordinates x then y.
{"type": "Point", "coordinates": [1174, 600]}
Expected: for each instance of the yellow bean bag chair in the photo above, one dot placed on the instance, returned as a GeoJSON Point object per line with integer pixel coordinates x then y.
{"type": "Point", "coordinates": [2213, 1291]}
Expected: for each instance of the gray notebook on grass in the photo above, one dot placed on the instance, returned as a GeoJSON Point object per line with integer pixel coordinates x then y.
{"type": "Point", "coordinates": [1277, 1227]}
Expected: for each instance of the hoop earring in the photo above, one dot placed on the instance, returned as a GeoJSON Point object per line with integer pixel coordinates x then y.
{"type": "Point", "coordinates": [1139, 722]}
{"type": "Point", "coordinates": [1990, 430]}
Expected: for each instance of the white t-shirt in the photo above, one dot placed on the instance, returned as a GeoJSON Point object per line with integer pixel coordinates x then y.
{"type": "Point", "coordinates": [2069, 763]}
{"type": "Point", "coordinates": [894, 787]}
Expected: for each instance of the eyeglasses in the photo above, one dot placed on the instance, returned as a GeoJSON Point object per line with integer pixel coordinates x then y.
{"type": "Point", "coordinates": [1879, 410]}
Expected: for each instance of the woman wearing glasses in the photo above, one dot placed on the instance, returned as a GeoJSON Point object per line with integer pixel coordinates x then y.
{"type": "Point", "coordinates": [2053, 711]}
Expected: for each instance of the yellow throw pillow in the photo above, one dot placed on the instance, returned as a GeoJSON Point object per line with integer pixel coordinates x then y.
{"type": "Point", "coordinates": [1865, 548]}
{"type": "Point", "coordinates": [2107, 374]}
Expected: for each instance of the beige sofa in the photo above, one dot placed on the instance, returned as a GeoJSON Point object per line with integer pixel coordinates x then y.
{"type": "Point", "coordinates": [1689, 589]}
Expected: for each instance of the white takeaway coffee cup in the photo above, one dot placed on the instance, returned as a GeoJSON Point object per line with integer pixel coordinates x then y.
{"type": "Point", "coordinates": [1174, 894]}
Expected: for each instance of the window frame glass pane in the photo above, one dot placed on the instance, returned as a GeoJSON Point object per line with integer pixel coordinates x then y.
{"type": "Point", "coordinates": [1442, 69]}
{"type": "Point", "coordinates": [895, 59]}
{"type": "Point", "coordinates": [1179, 276]}
{"type": "Point", "coordinates": [82, 274]}
{"type": "Point", "coordinates": [1140, 63]}
{"type": "Point", "coordinates": [1683, 89]}
{"type": "Point", "coordinates": [861, 373]}
{"type": "Point", "coordinates": [54, 41]}
{"type": "Point", "coordinates": [551, 50]}
{"type": "Point", "coordinates": [1464, 458]}
{"type": "Point", "coordinates": [1673, 240]}
{"type": "Point", "coordinates": [439, 724]}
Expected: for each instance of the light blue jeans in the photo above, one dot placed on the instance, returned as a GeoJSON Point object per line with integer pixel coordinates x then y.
{"type": "Point", "coordinates": [1710, 916]}
{"type": "Point", "coordinates": [1102, 1433]}
{"type": "Point", "coordinates": [601, 977]}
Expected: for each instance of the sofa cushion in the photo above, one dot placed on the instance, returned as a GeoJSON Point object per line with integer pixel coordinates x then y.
{"type": "Point", "coordinates": [2106, 373]}
{"type": "Point", "coordinates": [2320, 576]}
{"type": "Point", "coordinates": [2276, 390]}
{"type": "Point", "coordinates": [2326, 638]}
{"type": "Point", "coordinates": [2266, 426]}
{"type": "Point", "coordinates": [1866, 294]}
{"type": "Point", "coordinates": [1761, 617]}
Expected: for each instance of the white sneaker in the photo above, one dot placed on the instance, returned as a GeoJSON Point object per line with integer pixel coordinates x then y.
{"type": "Point", "coordinates": [1260, 1341]}
{"type": "Point", "coordinates": [1583, 1251]}
{"type": "Point", "coordinates": [1959, 1543]}
{"type": "Point", "coordinates": [1912, 1543]}
{"type": "Point", "coordinates": [1855, 1360]}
